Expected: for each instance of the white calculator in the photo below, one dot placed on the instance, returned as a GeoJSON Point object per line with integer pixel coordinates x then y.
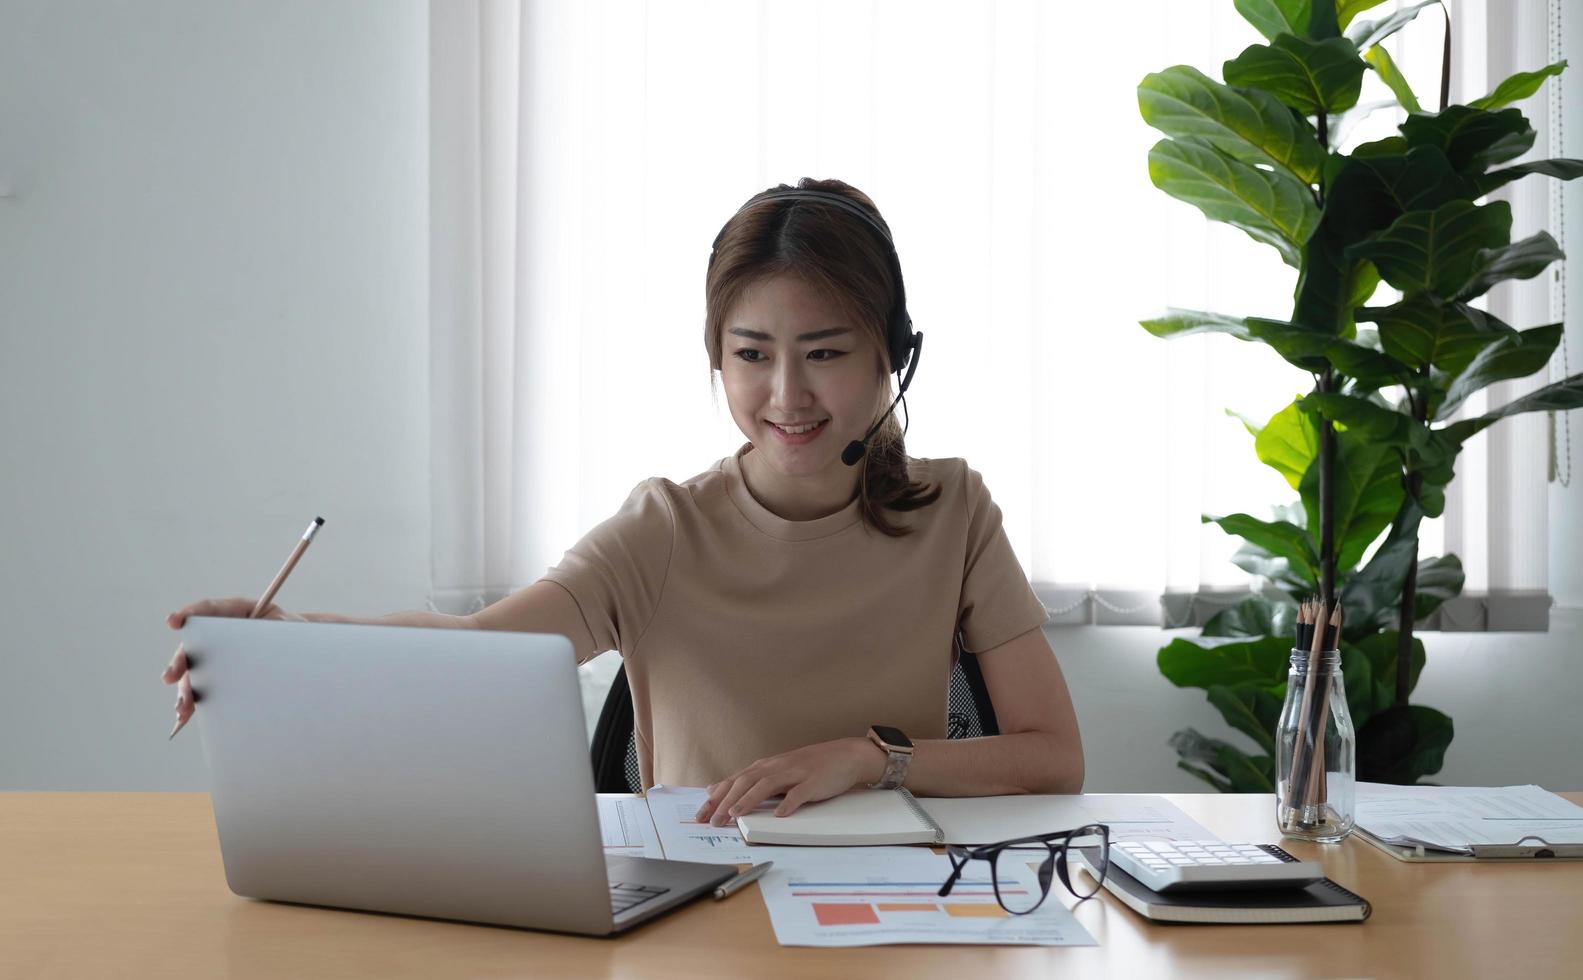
{"type": "Point", "coordinates": [1181, 866]}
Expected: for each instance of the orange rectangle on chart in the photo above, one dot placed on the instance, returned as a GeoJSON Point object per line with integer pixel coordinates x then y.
{"type": "Point", "coordinates": [985, 911]}
{"type": "Point", "coordinates": [845, 914]}
{"type": "Point", "coordinates": [908, 907]}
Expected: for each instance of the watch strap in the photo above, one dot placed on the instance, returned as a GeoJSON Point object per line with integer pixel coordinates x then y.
{"type": "Point", "coordinates": [895, 770]}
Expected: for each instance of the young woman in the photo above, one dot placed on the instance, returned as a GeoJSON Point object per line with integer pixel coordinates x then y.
{"type": "Point", "coordinates": [776, 606]}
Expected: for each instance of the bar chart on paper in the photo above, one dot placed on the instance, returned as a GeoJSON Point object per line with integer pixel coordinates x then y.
{"type": "Point", "coordinates": [626, 827]}
{"type": "Point", "coordinates": [882, 895]}
{"type": "Point", "coordinates": [685, 839]}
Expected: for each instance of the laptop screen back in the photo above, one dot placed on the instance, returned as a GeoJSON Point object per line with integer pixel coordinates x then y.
{"type": "Point", "coordinates": [430, 772]}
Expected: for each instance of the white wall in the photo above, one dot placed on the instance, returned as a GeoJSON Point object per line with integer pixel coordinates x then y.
{"type": "Point", "coordinates": [213, 326]}
{"type": "Point", "coordinates": [213, 311]}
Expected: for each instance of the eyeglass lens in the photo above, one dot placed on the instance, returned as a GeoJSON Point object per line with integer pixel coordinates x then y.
{"type": "Point", "coordinates": [1047, 861]}
{"type": "Point", "coordinates": [1015, 897]}
{"type": "Point", "coordinates": [1096, 839]}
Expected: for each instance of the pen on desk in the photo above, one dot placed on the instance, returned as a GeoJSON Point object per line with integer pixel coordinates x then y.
{"type": "Point", "coordinates": [750, 875]}
{"type": "Point", "coordinates": [274, 587]}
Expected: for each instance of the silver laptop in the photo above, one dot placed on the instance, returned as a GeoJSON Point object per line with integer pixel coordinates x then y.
{"type": "Point", "coordinates": [432, 772]}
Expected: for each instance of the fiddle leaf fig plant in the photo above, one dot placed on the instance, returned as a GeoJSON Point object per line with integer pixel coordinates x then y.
{"type": "Point", "coordinates": [1371, 448]}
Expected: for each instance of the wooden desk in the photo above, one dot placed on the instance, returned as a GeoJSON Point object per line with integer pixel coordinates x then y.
{"type": "Point", "coordinates": [130, 884]}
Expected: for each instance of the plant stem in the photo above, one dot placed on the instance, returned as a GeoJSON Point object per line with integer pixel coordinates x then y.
{"type": "Point", "coordinates": [1406, 612]}
{"type": "Point", "coordinates": [1404, 625]}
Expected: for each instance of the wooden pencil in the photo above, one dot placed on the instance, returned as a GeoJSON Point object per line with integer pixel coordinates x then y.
{"type": "Point", "coordinates": [1302, 750]}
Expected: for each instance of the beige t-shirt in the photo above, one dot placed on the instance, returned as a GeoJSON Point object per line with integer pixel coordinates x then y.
{"type": "Point", "coordinates": [745, 635]}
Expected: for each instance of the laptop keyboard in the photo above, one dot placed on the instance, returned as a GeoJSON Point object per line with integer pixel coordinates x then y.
{"type": "Point", "coordinates": [624, 895]}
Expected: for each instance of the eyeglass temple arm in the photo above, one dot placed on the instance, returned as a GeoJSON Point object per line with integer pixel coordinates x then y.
{"type": "Point", "coordinates": [956, 872]}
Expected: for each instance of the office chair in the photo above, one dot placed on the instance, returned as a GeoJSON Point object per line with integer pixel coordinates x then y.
{"type": "Point", "coordinates": [614, 752]}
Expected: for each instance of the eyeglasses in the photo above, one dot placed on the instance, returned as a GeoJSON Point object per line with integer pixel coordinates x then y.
{"type": "Point", "coordinates": [1055, 849]}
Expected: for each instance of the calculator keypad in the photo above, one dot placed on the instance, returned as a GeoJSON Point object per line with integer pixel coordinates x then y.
{"type": "Point", "coordinates": [1188, 865]}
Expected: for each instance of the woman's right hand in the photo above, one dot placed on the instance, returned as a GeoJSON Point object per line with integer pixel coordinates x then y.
{"type": "Point", "coordinates": [176, 670]}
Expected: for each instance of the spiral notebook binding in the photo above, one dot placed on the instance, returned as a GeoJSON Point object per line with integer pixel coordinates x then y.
{"type": "Point", "coordinates": [922, 815]}
{"type": "Point", "coordinates": [1349, 893]}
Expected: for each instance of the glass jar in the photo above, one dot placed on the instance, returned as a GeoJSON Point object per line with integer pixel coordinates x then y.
{"type": "Point", "coordinates": [1315, 752]}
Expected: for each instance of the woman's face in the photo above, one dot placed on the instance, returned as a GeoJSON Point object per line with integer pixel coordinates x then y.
{"type": "Point", "coordinates": [802, 380]}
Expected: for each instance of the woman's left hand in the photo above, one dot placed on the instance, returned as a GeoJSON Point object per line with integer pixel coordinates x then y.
{"type": "Point", "coordinates": [805, 775]}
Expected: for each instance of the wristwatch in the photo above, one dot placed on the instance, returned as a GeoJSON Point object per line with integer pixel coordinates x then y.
{"type": "Point", "coordinates": [898, 751]}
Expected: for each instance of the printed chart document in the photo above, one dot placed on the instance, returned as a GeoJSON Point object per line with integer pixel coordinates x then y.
{"type": "Point", "coordinates": [626, 826]}
{"type": "Point", "coordinates": [875, 896]}
{"type": "Point", "coordinates": [967, 820]}
{"type": "Point", "coordinates": [879, 816]}
{"type": "Point", "coordinates": [1482, 821]}
{"type": "Point", "coordinates": [685, 839]}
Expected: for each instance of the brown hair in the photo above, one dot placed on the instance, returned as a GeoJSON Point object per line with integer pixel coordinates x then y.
{"type": "Point", "coordinates": [836, 253]}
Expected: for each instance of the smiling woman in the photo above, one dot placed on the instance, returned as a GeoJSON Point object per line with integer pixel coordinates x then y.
{"type": "Point", "coordinates": [785, 261]}
{"type": "Point", "coordinates": [789, 620]}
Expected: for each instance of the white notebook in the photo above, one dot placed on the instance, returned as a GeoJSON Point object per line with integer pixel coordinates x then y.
{"type": "Point", "coordinates": [885, 816]}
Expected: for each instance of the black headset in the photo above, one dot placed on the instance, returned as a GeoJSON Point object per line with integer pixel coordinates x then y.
{"type": "Point", "coordinates": [904, 345]}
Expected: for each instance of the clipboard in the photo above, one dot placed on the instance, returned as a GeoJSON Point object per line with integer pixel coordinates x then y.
{"type": "Point", "coordinates": [1530, 848]}
{"type": "Point", "coordinates": [1469, 823]}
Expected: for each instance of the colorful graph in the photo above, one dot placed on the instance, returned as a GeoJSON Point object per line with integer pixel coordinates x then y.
{"type": "Point", "coordinates": [863, 903]}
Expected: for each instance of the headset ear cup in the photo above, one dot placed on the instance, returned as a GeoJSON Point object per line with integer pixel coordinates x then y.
{"type": "Point", "coordinates": [901, 343]}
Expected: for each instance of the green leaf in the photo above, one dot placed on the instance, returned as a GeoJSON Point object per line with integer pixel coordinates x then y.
{"type": "Point", "coordinates": [1213, 777]}
{"type": "Point", "coordinates": [1300, 346]}
{"type": "Point", "coordinates": [1249, 709]}
{"type": "Point", "coordinates": [1436, 251]}
{"type": "Point", "coordinates": [1513, 355]}
{"type": "Point", "coordinates": [1247, 423]}
{"type": "Point", "coordinates": [1472, 139]}
{"type": "Point", "coordinates": [1439, 579]}
{"type": "Point", "coordinates": [1360, 415]}
{"type": "Point", "coordinates": [1244, 123]}
{"type": "Point", "coordinates": [1273, 17]}
{"type": "Point", "coordinates": [1402, 744]}
{"type": "Point", "coordinates": [1288, 443]}
{"type": "Point", "coordinates": [1270, 205]}
{"type": "Point", "coordinates": [1311, 77]}
{"type": "Point", "coordinates": [1380, 60]}
{"type": "Point", "coordinates": [1559, 397]}
{"type": "Point", "coordinates": [1279, 538]}
{"type": "Point", "coordinates": [1517, 87]}
{"type": "Point", "coordinates": [1367, 33]}
{"type": "Point", "coordinates": [1322, 22]}
{"type": "Point", "coordinates": [1561, 167]}
{"type": "Point", "coordinates": [1367, 493]}
{"type": "Point", "coordinates": [1256, 561]}
{"type": "Point", "coordinates": [1358, 675]}
{"type": "Point", "coordinates": [1422, 331]}
{"type": "Point", "coordinates": [1261, 661]}
{"type": "Point", "coordinates": [1257, 615]}
{"type": "Point", "coordinates": [1368, 368]}
{"type": "Point", "coordinates": [1183, 323]}
{"type": "Point", "coordinates": [1371, 595]}
{"type": "Point", "coordinates": [1238, 772]}
{"type": "Point", "coordinates": [1390, 146]}
{"type": "Point", "coordinates": [1348, 9]}
{"type": "Point", "coordinates": [1365, 196]}
{"type": "Point", "coordinates": [1381, 650]}
{"type": "Point", "coordinates": [1519, 260]}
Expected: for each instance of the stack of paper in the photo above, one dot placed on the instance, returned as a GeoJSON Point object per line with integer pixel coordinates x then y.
{"type": "Point", "coordinates": [1483, 821]}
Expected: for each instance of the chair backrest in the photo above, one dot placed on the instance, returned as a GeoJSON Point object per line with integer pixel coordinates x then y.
{"type": "Point", "coordinates": [969, 714]}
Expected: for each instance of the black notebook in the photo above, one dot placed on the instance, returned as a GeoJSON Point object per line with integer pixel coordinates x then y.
{"type": "Point", "coordinates": [1322, 901]}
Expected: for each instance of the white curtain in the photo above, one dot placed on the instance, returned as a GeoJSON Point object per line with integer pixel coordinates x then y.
{"type": "Point", "coordinates": [585, 155]}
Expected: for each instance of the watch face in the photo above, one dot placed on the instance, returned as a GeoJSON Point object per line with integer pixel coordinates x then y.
{"type": "Point", "coordinates": [892, 736]}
